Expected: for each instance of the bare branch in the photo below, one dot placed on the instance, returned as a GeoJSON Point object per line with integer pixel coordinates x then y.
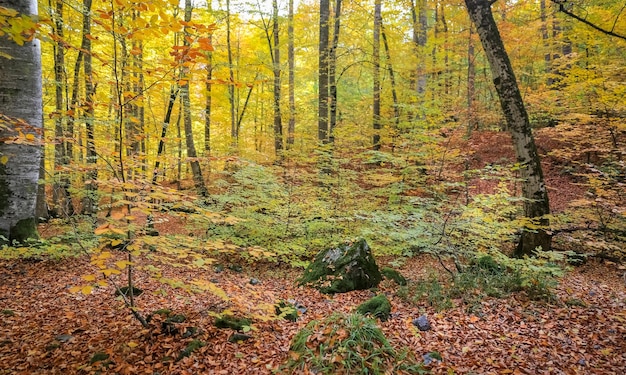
{"type": "Point", "coordinates": [561, 4]}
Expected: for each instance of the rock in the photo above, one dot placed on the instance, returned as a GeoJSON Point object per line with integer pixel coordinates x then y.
{"type": "Point", "coordinates": [422, 323]}
{"type": "Point", "coordinates": [349, 267]}
{"type": "Point", "coordinates": [239, 337]}
{"type": "Point", "coordinates": [391, 274]}
{"type": "Point", "coordinates": [378, 307]}
{"type": "Point", "coordinates": [231, 322]}
{"type": "Point", "coordinates": [98, 357]}
{"type": "Point", "coordinates": [218, 268]}
{"type": "Point", "coordinates": [64, 338]}
{"type": "Point", "coordinates": [432, 357]}
{"type": "Point", "coordinates": [254, 281]}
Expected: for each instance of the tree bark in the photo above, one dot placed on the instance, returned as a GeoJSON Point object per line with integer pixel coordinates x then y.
{"type": "Point", "coordinates": [534, 191]}
{"type": "Point", "coordinates": [90, 203]}
{"type": "Point", "coordinates": [278, 120]}
{"type": "Point", "coordinates": [323, 119]}
{"type": "Point", "coordinates": [332, 71]}
{"type": "Point", "coordinates": [21, 119]}
{"type": "Point", "coordinates": [196, 170]}
{"type": "Point", "coordinates": [234, 129]}
{"type": "Point", "coordinates": [291, 128]}
{"type": "Point", "coordinates": [376, 76]}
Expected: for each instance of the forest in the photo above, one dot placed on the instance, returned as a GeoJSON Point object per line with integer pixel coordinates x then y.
{"type": "Point", "coordinates": [312, 187]}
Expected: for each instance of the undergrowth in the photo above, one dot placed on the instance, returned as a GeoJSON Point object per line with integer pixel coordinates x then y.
{"type": "Point", "coordinates": [347, 344]}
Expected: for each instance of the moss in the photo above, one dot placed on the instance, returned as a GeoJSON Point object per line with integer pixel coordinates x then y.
{"type": "Point", "coordinates": [191, 347]}
{"type": "Point", "coordinates": [348, 267]}
{"type": "Point", "coordinates": [24, 230]}
{"type": "Point", "coordinates": [391, 274]}
{"type": "Point", "coordinates": [378, 307]}
{"type": "Point", "coordinates": [231, 322]}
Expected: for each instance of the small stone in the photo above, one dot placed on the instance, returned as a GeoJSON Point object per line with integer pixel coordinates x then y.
{"type": "Point", "coordinates": [239, 337]}
{"type": "Point", "coordinates": [64, 338]}
{"type": "Point", "coordinates": [254, 281]}
{"type": "Point", "coordinates": [422, 323]}
{"type": "Point", "coordinates": [218, 268]}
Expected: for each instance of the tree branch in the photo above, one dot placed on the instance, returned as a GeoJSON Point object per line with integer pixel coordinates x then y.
{"type": "Point", "coordinates": [561, 4]}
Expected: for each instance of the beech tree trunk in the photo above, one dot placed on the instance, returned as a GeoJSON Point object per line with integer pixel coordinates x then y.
{"type": "Point", "coordinates": [332, 71]}
{"type": "Point", "coordinates": [323, 119]}
{"type": "Point", "coordinates": [291, 128]}
{"type": "Point", "coordinates": [536, 204]}
{"type": "Point", "coordinates": [376, 76]}
{"type": "Point", "coordinates": [20, 112]}
{"type": "Point", "coordinates": [278, 120]}
{"type": "Point", "coordinates": [196, 170]}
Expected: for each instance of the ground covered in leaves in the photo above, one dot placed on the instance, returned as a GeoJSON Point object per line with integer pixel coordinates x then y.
{"type": "Point", "coordinates": [46, 329]}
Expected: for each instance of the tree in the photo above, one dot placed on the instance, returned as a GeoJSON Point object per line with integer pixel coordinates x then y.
{"type": "Point", "coordinates": [534, 191]}
{"type": "Point", "coordinates": [376, 75]}
{"type": "Point", "coordinates": [291, 128]}
{"type": "Point", "coordinates": [20, 123]}
{"type": "Point", "coordinates": [323, 119]}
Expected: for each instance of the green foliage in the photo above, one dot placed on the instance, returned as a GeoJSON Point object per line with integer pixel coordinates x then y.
{"type": "Point", "coordinates": [391, 274]}
{"type": "Point", "coordinates": [347, 344]}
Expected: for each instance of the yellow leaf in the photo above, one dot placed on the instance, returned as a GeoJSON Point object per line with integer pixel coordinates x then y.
{"type": "Point", "coordinates": [102, 229]}
{"type": "Point", "coordinates": [30, 137]}
{"type": "Point", "coordinates": [89, 277]}
{"type": "Point", "coordinates": [102, 283]}
{"type": "Point", "coordinates": [132, 344]}
{"type": "Point", "coordinates": [122, 264]}
{"type": "Point", "coordinates": [111, 271]}
{"type": "Point", "coordinates": [75, 289]}
{"type": "Point", "coordinates": [86, 289]}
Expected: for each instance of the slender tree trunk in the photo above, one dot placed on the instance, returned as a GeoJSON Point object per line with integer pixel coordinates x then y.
{"type": "Point", "coordinates": [278, 120]}
{"type": "Point", "coordinates": [21, 106]}
{"type": "Point", "coordinates": [196, 170]}
{"type": "Point", "coordinates": [546, 40]}
{"type": "Point", "coordinates": [164, 127]}
{"type": "Point", "coordinates": [471, 80]}
{"type": "Point", "coordinates": [62, 200]}
{"type": "Point", "coordinates": [332, 72]}
{"type": "Point", "coordinates": [234, 134]}
{"type": "Point", "coordinates": [291, 129]}
{"type": "Point", "coordinates": [536, 204]}
{"type": "Point", "coordinates": [323, 119]}
{"type": "Point", "coordinates": [376, 76]}
{"type": "Point", "coordinates": [392, 78]}
{"type": "Point", "coordinates": [90, 203]}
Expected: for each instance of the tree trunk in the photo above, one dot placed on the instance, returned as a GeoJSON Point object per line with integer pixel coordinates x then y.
{"type": "Point", "coordinates": [90, 203]}
{"type": "Point", "coordinates": [376, 76]}
{"type": "Point", "coordinates": [278, 120]}
{"type": "Point", "coordinates": [323, 119]}
{"type": "Point", "coordinates": [196, 170]}
{"type": "Point", "coordinates": [21, 106]}
{"type": "Point", "coordinates": [234, 134]}
{"type": "Point", "coordinates": [471, 80]}
{"type": "Point", "coordinates": [533, 187]}
{"type": "Point", "coordinates": [392, 79]}
{"type": "Point", "coordinates": [291, 128]}
{"type": "Point", "coordinates": [332, 72]}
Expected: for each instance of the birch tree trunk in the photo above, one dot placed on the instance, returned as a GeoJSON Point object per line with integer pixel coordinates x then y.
{"type": "Point", "coordinates": [20, 112]}
{"type": "Point", "coordinates": [533, 186]}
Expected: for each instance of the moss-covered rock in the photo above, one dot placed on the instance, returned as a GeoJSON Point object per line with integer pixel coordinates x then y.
{"type": "Point", "coordinates": [391, 274]}
{"type": "Point", "coordinates": [378, 307]}
{"type": "Point", "coordinates": [348, 267]}
{"type": "Point", "coordinates": [228, 321]}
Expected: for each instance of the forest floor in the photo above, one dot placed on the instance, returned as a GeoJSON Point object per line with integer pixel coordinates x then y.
{"type": "Point", "coordinates": [46, 329]}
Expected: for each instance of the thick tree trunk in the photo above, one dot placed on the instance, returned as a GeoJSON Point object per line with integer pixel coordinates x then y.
{"type": "Point", "coordinates": [20, 116]}
{"type": "Point", "coordinates": [533, 187]}
{"type": "Point", "coordinates": [376, 76]}
{"type": "Point", "coordinates": [323, 119]}
{"type": "Point", "coordinates": [90, 203]}
{"type": "Point", "coordinates": [234, 128]}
